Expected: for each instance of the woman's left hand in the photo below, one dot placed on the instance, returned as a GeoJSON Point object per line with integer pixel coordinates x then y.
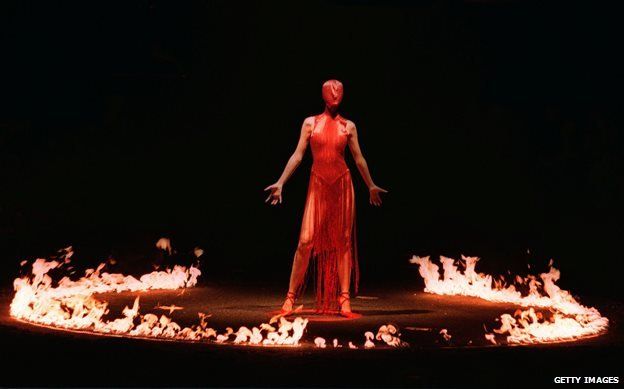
{"type": "Point", "coordinates": [375, 198]}
{"type": "Point", "coordinates": [276, 193]}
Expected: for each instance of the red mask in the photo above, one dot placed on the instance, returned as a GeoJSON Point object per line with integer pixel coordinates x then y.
{"type": "Point", "coordinates": [332, 94]}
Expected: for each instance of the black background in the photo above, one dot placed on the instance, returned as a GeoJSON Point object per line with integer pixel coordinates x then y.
{"type": "Point", "coordinates": [495, 126]}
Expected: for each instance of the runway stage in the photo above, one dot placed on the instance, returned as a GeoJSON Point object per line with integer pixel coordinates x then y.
{"type": "Point", "coordinates": [466, 357]}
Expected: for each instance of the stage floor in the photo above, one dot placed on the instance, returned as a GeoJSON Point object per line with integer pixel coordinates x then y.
{"type": "Point", "coordinates": [466, 358]}
{"type": "Point", "coordinates": [419, 316]}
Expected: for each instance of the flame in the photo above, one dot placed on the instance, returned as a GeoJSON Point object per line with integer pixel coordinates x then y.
{"type": "Point", "coordinates": [390, 335]}
{"type": "Point", "coordinates": [570, 319]}
{"type": "Point", "coordinates": [198, 252]}
{"type": "Point", "coordinates": [369, 339]}
{"type": "Point", "coordinates": [171, 308]}
{"type": "Point", "coordinates": [491, 338]}
{"type": "Point", "coordinates": [165, 245]}
{"type": "Point", "coordinates": [71, 304]}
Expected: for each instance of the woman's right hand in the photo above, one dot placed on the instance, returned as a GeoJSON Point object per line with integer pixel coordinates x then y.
{"type": "Point", "coordinates": [276, 193]}
{"type": "Point", "coordinates": [375, 198]}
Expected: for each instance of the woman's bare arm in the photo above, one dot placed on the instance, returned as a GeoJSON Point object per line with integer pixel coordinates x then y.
{"type": "Point", "coordinates": [362, 166]}
{"type": "Point", "coordinates": [293, 162]}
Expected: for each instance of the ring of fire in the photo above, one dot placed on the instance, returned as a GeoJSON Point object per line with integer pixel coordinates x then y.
{"type": "Point", "coordinates": [71, 305]}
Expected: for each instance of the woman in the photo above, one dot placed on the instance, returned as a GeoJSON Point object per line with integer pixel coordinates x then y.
{"type": "Point", "coordinates": [328, 227]}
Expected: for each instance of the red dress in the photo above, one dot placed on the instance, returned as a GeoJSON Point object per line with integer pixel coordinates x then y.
{"type": "Point", "coordinates": [328, 227]}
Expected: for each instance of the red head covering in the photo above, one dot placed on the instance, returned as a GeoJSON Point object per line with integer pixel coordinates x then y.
{"type": "Point", "coordinates": [332, 93]}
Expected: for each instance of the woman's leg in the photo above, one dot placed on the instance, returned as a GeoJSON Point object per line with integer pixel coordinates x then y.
{"type": "Point", "coordinates": [302, 255]}
{"type": "Point", "coordinates": [346, 261]}
{"type": "Point", "coordinates": [299, 268]}
{"type": "Point", "coordinates": [344, 277]}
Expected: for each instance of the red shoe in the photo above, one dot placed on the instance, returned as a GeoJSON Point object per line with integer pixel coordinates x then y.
{"type": "Point", "coordinates": [289, 296]}
{"type": "Point", "coordinates": [343, 298]}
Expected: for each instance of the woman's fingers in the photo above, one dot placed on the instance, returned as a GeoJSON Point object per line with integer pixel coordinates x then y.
{"type": "Point", "coordinates": [275, 199]}
{"type": "Point", "coordinates": [275, 196]}
{"type": "Point", "coordinates": [375, 199]}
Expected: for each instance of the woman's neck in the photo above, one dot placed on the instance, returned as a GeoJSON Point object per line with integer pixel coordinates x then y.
{"type": "Point", "coordinates": [332, 113]}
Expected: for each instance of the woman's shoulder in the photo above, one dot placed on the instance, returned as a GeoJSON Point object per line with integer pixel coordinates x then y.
{"type": "Point", "coordinates": [344, 120]}
{"type": "Point", "coordinates": [308, 125]}
{"type": "Point", "coordinates": [349, 125]}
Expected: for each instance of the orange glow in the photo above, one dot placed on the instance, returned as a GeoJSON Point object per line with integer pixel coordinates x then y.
{"type": "Point", "coordinates": [570, 320]}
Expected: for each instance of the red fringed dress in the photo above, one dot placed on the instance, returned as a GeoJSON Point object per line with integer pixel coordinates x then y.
{"type": "Point", "coordinates": [328, 227]}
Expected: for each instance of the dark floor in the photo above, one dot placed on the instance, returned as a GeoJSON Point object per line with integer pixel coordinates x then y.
{"type": "Point", "coordinates": [36, 356]}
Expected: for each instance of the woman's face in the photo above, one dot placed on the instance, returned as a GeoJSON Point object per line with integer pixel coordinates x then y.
{"type": "Point", "coordinates": [332, 94]}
